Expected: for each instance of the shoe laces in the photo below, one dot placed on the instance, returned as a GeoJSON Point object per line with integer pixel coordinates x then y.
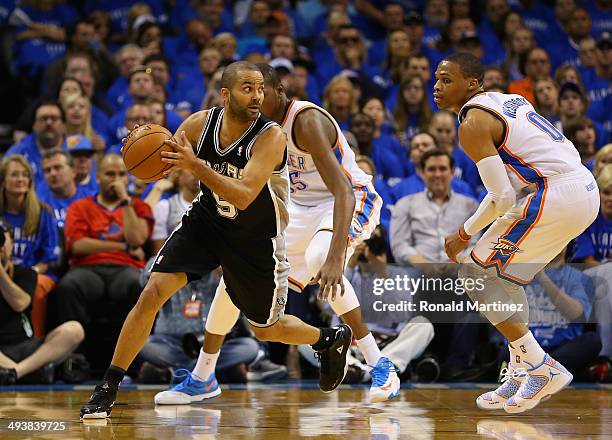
{"type": "Point", "coordinates": [512, 373]}
{"type": "Point", "coordinates": [184, 374]}
{"type": "Point", "coordinates": [380, 373]}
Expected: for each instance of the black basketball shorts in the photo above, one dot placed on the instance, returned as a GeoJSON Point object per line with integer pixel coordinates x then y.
{"type": "Point", "coordinates": [255, 271]}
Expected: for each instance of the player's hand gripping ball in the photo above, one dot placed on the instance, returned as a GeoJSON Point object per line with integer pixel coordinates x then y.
{"type": "Point", "coordinates": [142, 152]}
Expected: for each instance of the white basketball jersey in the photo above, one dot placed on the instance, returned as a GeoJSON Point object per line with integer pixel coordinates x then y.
{"type": "Point", "coordinates": [532, 148]}
{"type": "Point", "coordinates": [307, 186]}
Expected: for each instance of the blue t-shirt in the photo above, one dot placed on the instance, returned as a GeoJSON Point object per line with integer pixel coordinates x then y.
{"type": "Point", "coordinates": [33, 249]}
{"type": "Point", "coordinates": [549, 326]}
{"type": "Point", "coordinates": [601, 21]}
{"type": "Point", "coordinates": [60, 206]}
{"type": "Point", "coordinates": [596, 241]}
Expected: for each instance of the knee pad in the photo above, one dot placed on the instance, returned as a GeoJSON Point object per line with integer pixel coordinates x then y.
{"type": "Point", "coordinates": [223, 314]}
{"type": "Point", "coordinates": [317, 250]}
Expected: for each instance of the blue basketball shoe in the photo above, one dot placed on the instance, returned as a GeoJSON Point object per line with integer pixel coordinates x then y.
{"type": "Point", "coordinates": [385, 382]}
{"type": "Point", "coordinates": [191, 389]}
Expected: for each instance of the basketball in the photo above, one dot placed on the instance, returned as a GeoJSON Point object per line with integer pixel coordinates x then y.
{"type": "Point", "coordinates": [142, 152]}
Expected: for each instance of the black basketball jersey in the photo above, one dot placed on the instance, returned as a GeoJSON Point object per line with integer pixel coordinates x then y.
{"type": "Point", "coordinates": [267, 216]}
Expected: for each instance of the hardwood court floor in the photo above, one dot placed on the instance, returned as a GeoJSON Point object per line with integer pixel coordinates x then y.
{"type": "Point", "coordinates": [279, 412]}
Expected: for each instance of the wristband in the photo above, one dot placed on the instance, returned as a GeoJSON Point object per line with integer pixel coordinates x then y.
{"type": "Point", "coordinates": [465, 238]}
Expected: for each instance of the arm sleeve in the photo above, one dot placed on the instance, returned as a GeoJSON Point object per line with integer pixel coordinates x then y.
{"type": "Point", "coordinates": [401, 231]}
{"type": "Point", "coordinates": [500, 197]}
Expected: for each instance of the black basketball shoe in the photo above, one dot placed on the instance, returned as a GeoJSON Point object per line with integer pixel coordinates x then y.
{"type": "Point", "coordinates": [333, 359]}
{"type": "Point", "coordinates": [100, 403]}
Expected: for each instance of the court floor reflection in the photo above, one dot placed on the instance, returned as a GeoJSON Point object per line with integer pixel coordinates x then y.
{"type": "Point", "coordinates": [272, 413]}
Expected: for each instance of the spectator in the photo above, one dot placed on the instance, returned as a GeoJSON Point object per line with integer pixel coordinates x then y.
{"type": "Point", "coordinates": [581, 133]}
{"type": "Point", "coordinates": [339, 100]}
{"type": "Point", "coordinates": [48, 133]}
{"type": "Point", "coordinates": [188, 46]}
{"type": "Point", "coordinates": [470, 43]}
{"type": "Point", "coordinates": [349, 54]}
{"type": "Point", "coordinates": [81, 38]}
{"type": "Point", "coordinates": [421, 143]}
{"type": "Point", "coordinates": [494, 78]}
{"type": "Point", "coordinates": [519, 43]}
{"type": "Point", "coordinates": [419, 220]}
{"type": "Point", "coordinates": [594, 246]}
{"type": "Point", "coordinates": [77, 109]}
{"type": "Point", "coordinates": [546, 92]}
{"type": "Point", "coordinates": [61, 189]}
{"type": "Point", "coordinates": [567, 73]}
{"type": "Point", "coordinates": [587, 53]}
{"type": "Point", "coordinates": [573, 104]}
{"type": "Point", "coordinates": [536, 65]}
{"type": "Point", "coordinates": [140, 87]}
{"type": "Point", "coordinates": [136, 114]}
{"type": "Point", "coordinates": [128, 57]}
{"type": "Point", "coordinates": [412, 112]}
{"type": "Point", "coordinates": [442, 127]}
{"type": "Point", "coordinates": [68, 86]}
{"type": "Point", "coordinates": [40, 35]}
{"type": "Point", "coordinates": [384, 139]}
{"type": "Point", "coordinates": [388, 166]}
{"type": "Point", "coordinates": [597, 80]}
{"type": "Point", "coordinates": [414, 25]}
{"type": "Point", "coordinates": [579, 28]}
{"type": "Point", "coordinates": [602, 159]}
{"type": "Point", "coordinates": [21, 353]}
{"type": "Point", "coordinates": [192, 88]}
{"type": "Point", "coordinates": [105, 235]}
{"type": "Point", "coordinates": [82, 153]}
{"type": "Point", "coordinates": [35, 234]}
{"type": "Point", "coordinates": [226, 44]}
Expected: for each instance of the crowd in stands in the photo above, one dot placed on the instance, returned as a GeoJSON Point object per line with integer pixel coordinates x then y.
{"type": "Point", "coordinates": [77, 230]}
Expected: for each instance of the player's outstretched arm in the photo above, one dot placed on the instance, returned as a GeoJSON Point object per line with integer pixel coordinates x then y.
{"type": "Point", "coordinates": [316, 134]}
{"type": "Point", "coordinates": [266, 155]}
{"type": "Point", "coordinates": [479, 132]}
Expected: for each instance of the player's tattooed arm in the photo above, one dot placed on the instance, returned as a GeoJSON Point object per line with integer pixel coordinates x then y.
{"type": "Point", "coordinates": [315, 133]}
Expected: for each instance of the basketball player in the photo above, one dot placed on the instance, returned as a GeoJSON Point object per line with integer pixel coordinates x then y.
{"type": "Point", "coordinates": [331, 199]}
{"type": "Point", "coordinates": [539, 198]}
{"type": "Point", "coordinates": [238, 223]}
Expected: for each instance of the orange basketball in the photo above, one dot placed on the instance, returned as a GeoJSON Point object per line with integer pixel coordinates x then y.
{"type": "Point", "coordinates": [142, 152]}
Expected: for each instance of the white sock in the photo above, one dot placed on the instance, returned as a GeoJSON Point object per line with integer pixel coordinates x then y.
{"type": "Point", "coordinates": [206, 364]}
{"type": "Point", "coordinates": [367, 346]}
{"type": "Point", "coordinates": [526, 348]}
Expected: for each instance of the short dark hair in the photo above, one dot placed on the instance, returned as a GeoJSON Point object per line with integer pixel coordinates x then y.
{"type": "Point", "coordinates": [50, 103]}
{"type": "Point", "coordinates": [269, 74]}
{"type": "Point", "coordinates": [231, 71]}
{"type": "Point", "coordinates": [469, 65]}
{"type": "Point", "coordinates": [436, 153]}
{"type": "Point", "coordinates": [156, 57]}
{"type": "Point", "coordinates": [55, 151]}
